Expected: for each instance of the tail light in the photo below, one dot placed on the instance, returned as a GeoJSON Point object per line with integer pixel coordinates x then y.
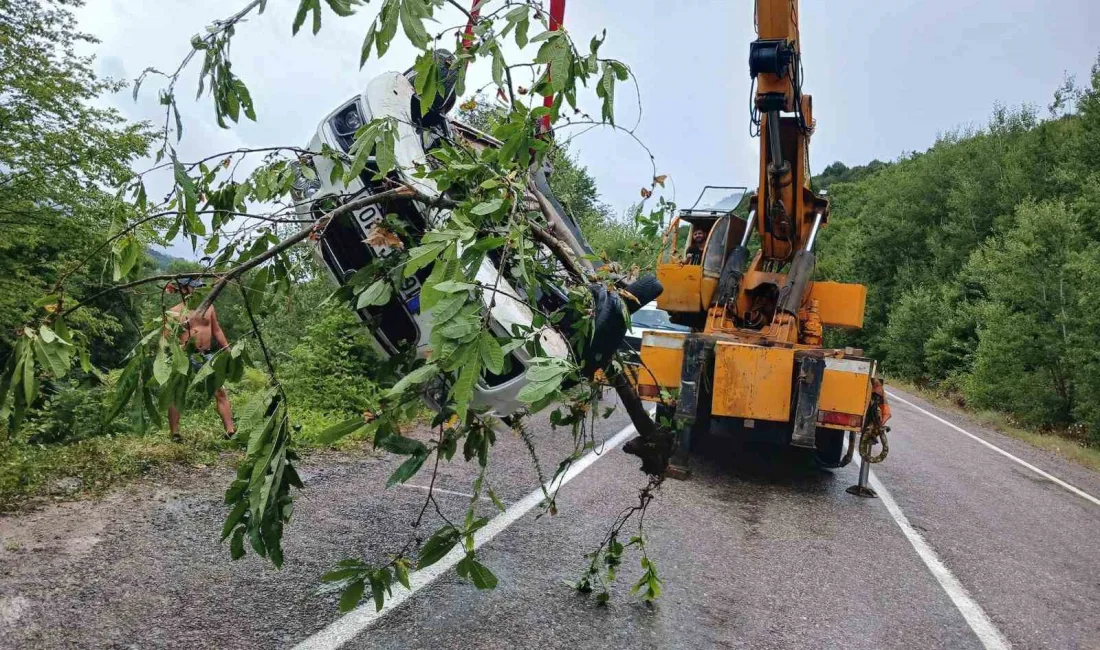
{"type": "Point", "coordinates": [840, 419]}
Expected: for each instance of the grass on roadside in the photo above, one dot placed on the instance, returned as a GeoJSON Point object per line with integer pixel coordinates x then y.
{"type": "Point", "coordinates": [90, 466]}
{"type": "Point", "coordinates": [1058, 443]}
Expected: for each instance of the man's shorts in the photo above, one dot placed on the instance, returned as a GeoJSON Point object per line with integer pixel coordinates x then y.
{"type": "Point", "coordinates": [199, 359]}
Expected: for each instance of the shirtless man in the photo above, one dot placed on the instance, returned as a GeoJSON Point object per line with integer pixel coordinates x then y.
{"type": "Point", "coordinates": [201, 330]}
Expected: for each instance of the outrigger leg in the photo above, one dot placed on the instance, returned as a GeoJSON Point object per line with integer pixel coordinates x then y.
{"type": "Point", "coordinates": [862, 489]}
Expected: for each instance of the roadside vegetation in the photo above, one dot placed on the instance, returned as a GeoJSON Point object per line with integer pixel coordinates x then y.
{"type": "Point", "coordinates": [982, 258]}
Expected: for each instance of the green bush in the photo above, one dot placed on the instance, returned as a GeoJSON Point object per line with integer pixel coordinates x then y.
{"type": "Point", "coordinates": [332, 369]}
{"type": "Point", "coordinates": [71, 412]}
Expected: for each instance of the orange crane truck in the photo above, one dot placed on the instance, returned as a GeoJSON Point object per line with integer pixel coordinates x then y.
{"type": "Point", "coordinates": [753, 361]}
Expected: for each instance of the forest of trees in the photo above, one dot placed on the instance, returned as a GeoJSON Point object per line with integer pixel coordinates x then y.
{"type": "Point", "coordinates": [981, 254]}
{"type": "Point", "coordinates": [982, 258]}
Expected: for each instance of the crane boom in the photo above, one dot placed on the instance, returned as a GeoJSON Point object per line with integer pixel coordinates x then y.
{"type": "Point", "coordinates": [753, 361]}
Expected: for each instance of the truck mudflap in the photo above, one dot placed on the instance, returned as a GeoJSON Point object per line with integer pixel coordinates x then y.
{"type": "Point", "coordinates": [811, 373]}
{"type": "Point", "coordinates": [693, 403]}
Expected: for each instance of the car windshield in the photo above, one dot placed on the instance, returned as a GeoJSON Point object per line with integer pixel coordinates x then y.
{"type": "Point", "coordinates": [719, 199]}
{"type": "Point", "coordinates": [655, 318]}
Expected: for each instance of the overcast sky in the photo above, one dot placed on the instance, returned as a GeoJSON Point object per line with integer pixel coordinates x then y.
{"type": "Point", "coordinates": [887, 76]}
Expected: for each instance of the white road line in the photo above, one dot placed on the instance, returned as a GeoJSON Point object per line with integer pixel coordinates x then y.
{"type": "Point", "coordinates": [990, 637]}
{"type": "Point", "coordinates": [1052, 479]}
{"type": "Point", "coordinates": [434, 490]}
{"type": "Point", "coordinates": [350, 625]}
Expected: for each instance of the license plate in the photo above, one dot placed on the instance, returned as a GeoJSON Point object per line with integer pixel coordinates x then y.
{"type": "Point", "coordinates": [366, 219]}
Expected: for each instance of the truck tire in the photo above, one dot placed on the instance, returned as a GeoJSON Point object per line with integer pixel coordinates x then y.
{"type": "Point", "coordinates": [829, 445]}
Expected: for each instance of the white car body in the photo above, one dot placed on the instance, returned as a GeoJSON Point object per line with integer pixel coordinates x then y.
{"type": "Point", "coordinates": [649, 318]}
{"type": "Point", "coordinates": [391, 95]}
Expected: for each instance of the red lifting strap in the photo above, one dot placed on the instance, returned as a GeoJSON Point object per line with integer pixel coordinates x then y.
{"type": "Point", "coordinates": [468, 34]}
{"type": "Point", "coordinates": [557, 15]}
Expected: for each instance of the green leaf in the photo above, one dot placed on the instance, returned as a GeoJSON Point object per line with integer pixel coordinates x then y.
{"type": "Point", "coordinates": [622, 73]}
{"type": "Point", "coordinates": [452, 286]}
{"type": "Point", "coordinates": [30, 383]}
{"type": "Point", "coordinates": [427, 75]}
{"type": "Point", "coordinates": [557, 53]}
{"type": "Point", "coordinates": [437, 546]}
{"type": "Point", "coordinates": [521, 32]}
{"type": "Point", "coordinates": [368, 41]}
{"type": "Point", "coordinates": [304, 8]}
{"type": "Point", "coordinates": [414, 26]}
{"type": "Point", "coordinates": [461, 326]}
{"type": "Point", "coordinates": [245, 98]}
{"type": "Point", "coordinates": [341, 8]}
{"type": "Point", "coordinates": [498, 66]}
{"type": "Point", "coordinates": [414, 378]}
{"type": "Point", "coordinates": [463, 389]}
{"type": "Point", "coordinates": [492, 355]}
{"type": "Point", "coordinates": [541, 372]}
{"type": "Point", "coordinates": [388, 15]}
{"type": "Point", "coordinates": [537, 391]}
{"type": "Point", "coordinates": [384, 155]}
{"type": "Point", "coordinates": [236, 545]}
{"type": "Point", "coordinates": [131, 251]}
{"type": "Point", "coordinates": [378, 293]}
{"type": "Point", "coordinates": [124, 389]}
{"type": "Point", "coordinates": [180, 363]}
{"type": "Point", "coordinates": [162, 371]}
{"type": "Point", "coordinates": [446, 307]}
{"type": "Point", "coordinates": [496, 500]}
{"type": "Point", "coordinates": [401, 569]}
{"type": "Point", "coordinates": [402, 445]}
{"type": "Point", "coordinates": [422, 256]}
{"type": "Point", "coordinates": [479, 574]}
{"type": "Point", "coordinates": [54, 358]}
{"type": "Point", "coordinates": [378, 587]}
{"type": "Point", "coordinates": [407, 469]}
{"type": "Point", "coordinates": [49, 336]}
{"type": "Point", "coordinates": [234, 517]}
{"type": "Point", "coordinates": [186, 183]}
{"type": "Point", "coordinates": [487, 207]}
{"type": "Point", "coordinates": [353, 593]}
{"type": "Point", "coordinates": [341, 430]}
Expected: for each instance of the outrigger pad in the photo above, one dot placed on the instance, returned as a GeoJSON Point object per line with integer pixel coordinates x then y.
{"type": "Point", "coordinates": [862, 491]}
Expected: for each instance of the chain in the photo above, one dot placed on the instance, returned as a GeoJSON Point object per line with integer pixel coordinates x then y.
{"type": "Point", "coordinates": [874, 432]}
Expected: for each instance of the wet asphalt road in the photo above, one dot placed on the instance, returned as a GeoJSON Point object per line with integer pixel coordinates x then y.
{"type": "Point", "coordinates": [756, 550]}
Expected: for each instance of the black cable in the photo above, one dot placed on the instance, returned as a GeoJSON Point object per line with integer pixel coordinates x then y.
{"type": "Point", "coordinates": [754, 115]}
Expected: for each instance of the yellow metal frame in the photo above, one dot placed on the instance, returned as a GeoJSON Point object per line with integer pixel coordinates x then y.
{"type": "Point", "coordinates": [751, 381]}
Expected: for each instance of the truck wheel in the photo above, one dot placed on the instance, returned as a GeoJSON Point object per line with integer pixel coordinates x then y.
{"type": "Point", "coordinates": [830, 446]}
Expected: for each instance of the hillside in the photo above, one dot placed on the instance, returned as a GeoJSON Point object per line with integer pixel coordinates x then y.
{"type": "Point", "coordinates": [163, 260]}
{"type": "Point", "coordinates": [982, 258]}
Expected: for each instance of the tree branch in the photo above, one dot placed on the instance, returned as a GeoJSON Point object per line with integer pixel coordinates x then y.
{"type": "Point", "coordinates": [579, 269]}
{"type": "Point", "coordinates": [399, 192]}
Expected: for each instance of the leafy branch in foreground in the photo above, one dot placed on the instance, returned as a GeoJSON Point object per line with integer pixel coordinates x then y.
{"type": "Point", "coordinates": [482, 209]}
{"type": "Point", "coordinates": [608, 557]}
